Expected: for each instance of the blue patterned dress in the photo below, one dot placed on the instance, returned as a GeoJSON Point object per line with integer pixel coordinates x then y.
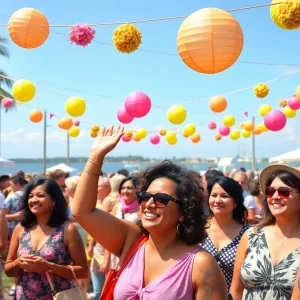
{"type": "Point", "coordinates": [33, 286]}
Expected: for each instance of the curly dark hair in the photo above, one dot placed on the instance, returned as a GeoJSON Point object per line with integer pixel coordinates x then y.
{"type": "Point", "coordinates": [188, 190]}
{"type": "Point", "coordinates": [235, 191]}
{"type": "Point", "coordinates": [60, 211]}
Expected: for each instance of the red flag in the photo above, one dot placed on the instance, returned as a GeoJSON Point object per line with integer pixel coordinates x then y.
{"type": "Point", "coordinates": [51, 116]}
{"type": "Point", "coordinates": [246, 114]}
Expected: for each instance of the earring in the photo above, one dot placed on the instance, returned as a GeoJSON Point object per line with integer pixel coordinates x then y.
{"type": "Point", "coordinates": [178, 228]}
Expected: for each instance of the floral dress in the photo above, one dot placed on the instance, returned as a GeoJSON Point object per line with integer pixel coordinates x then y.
{"type": "Point", "coordinates": [31, 286]}
{"type": "Point", "coordinates": [262, 280]}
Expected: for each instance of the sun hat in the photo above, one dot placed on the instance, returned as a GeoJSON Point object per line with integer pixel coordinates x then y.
{"type": "Point", "coordinates": [267, 172]}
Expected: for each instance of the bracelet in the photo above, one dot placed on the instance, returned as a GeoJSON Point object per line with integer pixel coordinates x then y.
{"type": "Point", "coordinates": [97, 175]}
{"type": "Point", "coordinates": [52, 266]}
{"type": "Point", "coordinates": [95, 163]}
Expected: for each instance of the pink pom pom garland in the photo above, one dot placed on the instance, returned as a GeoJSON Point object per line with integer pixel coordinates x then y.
{"type": "Point", "coordinates": [7, 102]}
{"type": "Point", "coordinates": [81, 34]}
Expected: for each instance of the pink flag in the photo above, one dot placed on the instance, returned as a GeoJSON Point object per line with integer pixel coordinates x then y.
{"type": "Point", "coordinates": [246, 114]}
{"type": "Point", "coordinates": [51, 115]}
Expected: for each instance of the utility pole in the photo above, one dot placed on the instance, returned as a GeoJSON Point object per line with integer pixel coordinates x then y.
{"type": "Point", "coordinates": [68, 149]}
{"type": "Point", "coordinates": [45, 143]}
{"type": "Point", "coordinates": [253, 148]}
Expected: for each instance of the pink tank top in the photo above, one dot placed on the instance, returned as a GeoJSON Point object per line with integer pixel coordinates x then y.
{"type": "Point", "coordinates": [175, 283]}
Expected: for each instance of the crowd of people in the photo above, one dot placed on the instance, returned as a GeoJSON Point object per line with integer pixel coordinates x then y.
{"type": "Point", "coordinates": [216, 236]}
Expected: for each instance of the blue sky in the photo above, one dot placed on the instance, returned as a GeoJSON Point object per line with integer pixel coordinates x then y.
{"type": "Point", "coordinates": [106, 76]}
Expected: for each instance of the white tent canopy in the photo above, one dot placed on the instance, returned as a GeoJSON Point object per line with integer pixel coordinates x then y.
{"type": "Point", "coordinates": [63, 167]}
{"type": "Point", "coordinates": [7, 164]}
{"type": "Point", "coordinates": [227, 163]}
{"type": "Point", "coordinates": [292, 156]}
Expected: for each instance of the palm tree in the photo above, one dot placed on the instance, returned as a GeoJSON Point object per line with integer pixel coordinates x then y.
{"type": "Point", "coordinates": [4, 81]}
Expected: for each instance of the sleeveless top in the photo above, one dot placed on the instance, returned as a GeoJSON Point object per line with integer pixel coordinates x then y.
{"type": "Point", "coordinates": [175, 283]}
{"type": "Point", "coordinates": [35, 285]}
{"type": "Point", "coordinates": [226, 256]}
{"type": "Point", "coordinates": [262, 280]}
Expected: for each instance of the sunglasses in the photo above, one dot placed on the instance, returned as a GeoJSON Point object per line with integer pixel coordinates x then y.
{"type": "Point", "coordinates": [284, 192]}
{"type": "Point", "coordinates": [160, 199]}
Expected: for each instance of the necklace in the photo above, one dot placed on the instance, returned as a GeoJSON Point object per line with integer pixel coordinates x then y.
{"type": "Point", "coordinates": [281, 244]}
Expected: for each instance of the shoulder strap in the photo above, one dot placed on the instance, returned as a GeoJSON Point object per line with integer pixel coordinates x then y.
{"type": "Point", "coordinates": [133, 250]}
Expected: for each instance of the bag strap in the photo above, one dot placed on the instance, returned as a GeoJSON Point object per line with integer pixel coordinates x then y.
{"type": "Point", "coordinates": [50, 283]}
{"type": "Point", "coordinates": [133, 250]}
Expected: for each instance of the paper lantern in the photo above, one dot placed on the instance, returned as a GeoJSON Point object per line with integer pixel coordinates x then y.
{"type": "Point", "coordinates": [172, 142]}
{"type": "Point", "coordinates": [176, 114]}
{"type": "Point", "coordinates": [171, 137]}
{"type": "Point", "coordinates": [76, 123]}
{"type": "Point", "coordinates": [195, 138]}
{"type": "Point", "coordinates": [163, 132]}
{"type": "Point", "coordinates": [210, 40]}
{"type": "Point", "coordinates": [218, 137]}
{"type": "Point", "coordinates": [65, 123]}
{"type": "Point", "coordinates": [128, 133]}
{"type": "Point", "coordinates": [93, 134]}
{"type": "Point", "coordinates": [189, 129]}
{"type": "Point", "coordinates": [74, 131]}
{"type": "Point", "coordinates": [248, 125]}
{"type": "Point", "coordinates": [95, 128]}
{"type": "Point", "coordinates": [218, 104]}
{"type": "Point", "coordinates": [228, 120]}
{"type": "Point", "coordinates": [81, 34]}
{"type": "Point", "coordinates": [28, 28]}
{"type": "Point", "coordinates": [184, 135]}
{"type": "Point", "coordinates": [246, 134]}
{"type": "Point", "coordinates": [154, 139]}
{"type": "Point", "coordinates": [127, 38]}
{"type": "Point", "coordinates": [289, 113]}
{"type": "Point", "coordinates": [263, 109]}
{"type": "Point", "coordinates": [135, 138]}
{"type": "Point", "coordinates": [141, 133]}
{"type": "Point", "coordinates": [275, 120]}
{"type": "Point", "coordinates": [137, 104]}
{"type": "Point", "coordinates": [285, 13]}
{"type": "Point", "coordinates": [282, 103]}
{"type": "Point", "coordinates": [36, 116]}
{"type": "Point", "coordinates": [235, 134]}
{"type": "Point", "coordinates": [224, 130]}
{"type": "Point", "coordinates": [261, 90]}
{"type": "Point", "coordinates": [23, 90]}
{"type": "Point", "coordinates": [75, 106]}
{"type": "Point", "coordinates": [212, 125]}
{"type": "Point", "coordinates": [126, 139]}
{"type": "Point", "coordinates": [123, 116]}
{"type": "Point", "coordinates": [297, 94]}
{"type": "Point", "coordinates": [256, 130]}
{"type": "Point", "coordinates": [262, 127]}
{"type": "Point", "coordinates": [7, 102]}
{"type": "Point", "coordinates": [294, 103]}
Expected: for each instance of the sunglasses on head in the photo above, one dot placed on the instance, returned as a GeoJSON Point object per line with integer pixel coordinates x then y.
{"type": "Point", "coordinates": [160, 199]}
{"type": "Point", "coordinates": [283, 192]}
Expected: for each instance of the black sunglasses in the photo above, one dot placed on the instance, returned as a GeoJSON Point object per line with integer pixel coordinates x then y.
{"type": "Point", "coordinates": [160, 199]}
{"type": "Point", "coordinates": [284, 192]}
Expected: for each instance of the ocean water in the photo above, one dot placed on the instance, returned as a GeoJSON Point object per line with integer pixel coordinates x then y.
{"type": "Point", "coordinates": [114, 167]}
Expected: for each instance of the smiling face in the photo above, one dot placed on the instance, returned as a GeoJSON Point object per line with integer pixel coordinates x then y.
{"type": "Point", "coordinates": [128, 191]}
{"type": "Point", "coordinates": [220, 203]}
{"type": "Point", "coordinates": [39, 202]}
{"type": "Point", "coordinates": [284, 206]}
{"type": "Point", "coordinates": [163, 219]}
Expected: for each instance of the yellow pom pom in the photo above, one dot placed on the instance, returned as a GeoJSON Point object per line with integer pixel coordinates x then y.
{"type": "Point", "coordinates": [261, 90]}
{"type": "Point", "coordinates": [127, 38]}
{"type": "Point", "coordinates": [289, 14]}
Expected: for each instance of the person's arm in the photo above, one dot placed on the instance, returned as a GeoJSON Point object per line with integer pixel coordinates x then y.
{"type": "Point", "coordinates": [101, 225]}
{"type": "Point", "coordinates": [12, 217]}
{"type": "Point", "coordinates": [237, 285]}
{"type": "Point", "coordinates": [3, 231]}
{"type": "Point", "coordinates": [296, 290]}
{"type": "Point", "coordinates": [209, 281]}
{"type": "Point", "coordinates": [251, 216]}
{"type": "Point", "coordinates": [92, 244]}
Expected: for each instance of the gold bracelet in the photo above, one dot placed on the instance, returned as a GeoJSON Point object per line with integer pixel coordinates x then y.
{"type": "Point", "coordinates": [95, 163]}
{"type": "Point", "coordinates": [97, 175]}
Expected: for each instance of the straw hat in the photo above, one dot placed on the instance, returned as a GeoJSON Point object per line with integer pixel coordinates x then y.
{"type": "Point", "coordinates": [267, 172]}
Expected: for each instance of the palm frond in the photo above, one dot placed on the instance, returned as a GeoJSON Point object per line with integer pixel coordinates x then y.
{"type": "Point", "coordinates": [4, 40]}
{"type": "Point", "coordinates": [6, 81]}
{"type": "Point", "coordinates": [4, 51]}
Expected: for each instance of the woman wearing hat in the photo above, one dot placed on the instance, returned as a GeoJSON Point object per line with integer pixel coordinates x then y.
{"type": "Point", "coordinates": [268, 256]}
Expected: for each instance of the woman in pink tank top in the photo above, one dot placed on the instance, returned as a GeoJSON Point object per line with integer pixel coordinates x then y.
{"type": "Point", "coordinates": [169, 265]}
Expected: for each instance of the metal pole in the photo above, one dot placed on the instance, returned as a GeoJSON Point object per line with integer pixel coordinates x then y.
{"type": "Point", "coordinates": [68, 149]}
{"type": "Point", "coordinates": [45, 143]}
{"type": "Point", "coordinates": [253, 148]}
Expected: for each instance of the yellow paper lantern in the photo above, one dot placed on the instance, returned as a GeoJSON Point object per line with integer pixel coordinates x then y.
{"type": "Point", "coordinates": [74, 131]}
{"type": "Point", "coordinates": [298, 92]}
{"type": "Point", "coordinates": [135, 138]}
{"type": "Point", "coordinates": [248, 125]}
{"type": "Point", "coordinates": [210, 40]}
{"type": "Point", "coordinates": [28, 28]}
{"type": "Point", "coordinates": [289, 113]}
{"type": "Point", "coordinates": [36, 116]}
{"type": "Point", "coordinates": [170, 136]}
{"type": "Point", "coordinates": [261, 90]}
{"type": "Point", "coordinates": [128, 133]}
{"type": "Point", "coordinates": [218, 137]}
{"type": "Point", "coordinates": [235, 134]}
{"type": "Point", "coordinates": [195, 138]}
{"type": "Point", "coordinates": [95, 128]}
{"type": "Point", "coordinates": [75, 106]}
{"type": "Point", "coordinates": [264, 109]}
{"type": "Point", "coordinates": [176, 114]}
{"type": "Point", "coordinates": [218, 104]}
{"type": "Point", "coordinates": [189, 129]}
{"type": "Point", "coordinates": [23, 90]}
{"type": "Point", "coordinates": [93, 134]}
{"type": "Point", "coordinates": [286, 13]}
{"type": "Point", "coordinates": [228, 120]}
{"type": "Point", "coordinates": [246, 134]}
{"type": "Point", "coordinates": [172, 142]}
{"type": "Point", "coordinates": [141, 133]}
{"type": "Point", "coordinates": [262, 127]}
{"type": "Point", "coordinates": [127, 38]}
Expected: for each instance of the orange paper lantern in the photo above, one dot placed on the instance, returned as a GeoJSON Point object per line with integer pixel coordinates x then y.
{"type": "Point", "coordinates": [218, 104]}
{"type": "Point", "coordinates": [36, 116]}
{"type": "Point", "coordinates": [256, 130]}
{"type": "Point", "coordinates": [65, 123]}
{"type": "Point", "coordinates": [28, 28]}
{"type": "Point", "coordinates": [195, 138]}
{"type": "Point", "coordinates": [210, 40]}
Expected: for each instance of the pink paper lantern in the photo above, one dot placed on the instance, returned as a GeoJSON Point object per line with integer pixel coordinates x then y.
{"type": "Point", "coordinates": [294, 103]}
{"type": "Point", "coordinates": [76, 123]}
{"type": "Point", "coordinates": [275, 120]}
{"type": "Point", "coordinates": [137, 104]}
{"type": "Point", "coordinates": [81, 34]}
{"type": "Point", "coordinates": [126, 139]}
{"type": "Point", "coordinates": [7, 102]}
{"type": "Point", "coordinates": [212, 125]}
{"type": "Point", "coordinates": [224, 130]}
{"type": "Point", "coordinates": [154, 139]}
{"type": "Point", "coordinates": [123, 116]}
